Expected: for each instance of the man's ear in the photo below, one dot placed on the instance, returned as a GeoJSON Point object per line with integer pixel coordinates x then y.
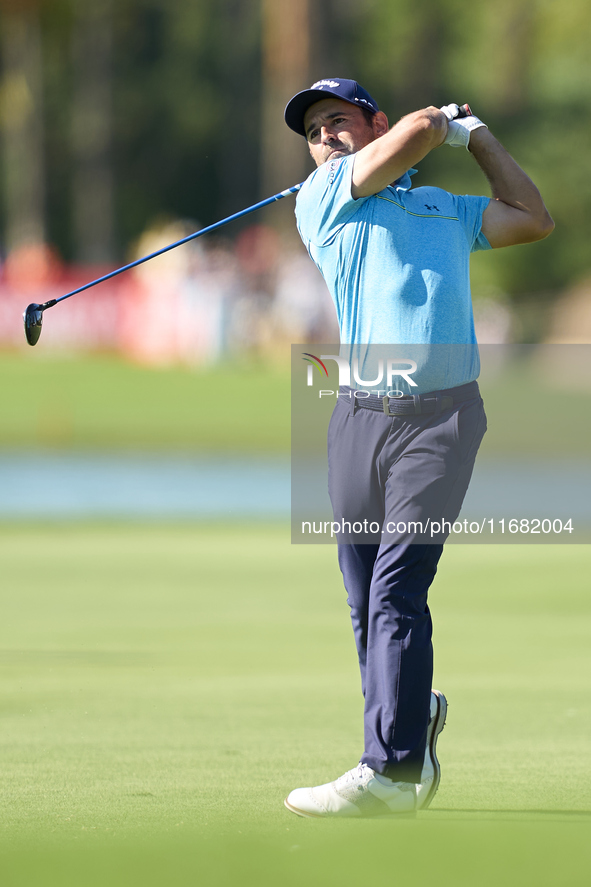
{"type": "Point", "coordinates": [380, 123]}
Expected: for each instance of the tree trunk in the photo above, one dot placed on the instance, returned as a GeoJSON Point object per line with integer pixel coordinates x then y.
{"type": "Point", "coordinates": [22, 126]}
{"type": "Point", "coordinates": [286, 64]}
{"type": "Point", "coordinates": [91, 132]}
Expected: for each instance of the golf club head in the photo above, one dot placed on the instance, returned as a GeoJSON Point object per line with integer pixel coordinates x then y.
{"type": "Point", "coordinates": [33, 319]}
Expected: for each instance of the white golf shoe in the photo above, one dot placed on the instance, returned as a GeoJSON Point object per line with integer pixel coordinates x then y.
{"type": "Point", "coordinates": [359, 792]}
{"type": "Point", "coordinates": [431, 773]}
{"type": "Point", "coordinates": [362, 792]}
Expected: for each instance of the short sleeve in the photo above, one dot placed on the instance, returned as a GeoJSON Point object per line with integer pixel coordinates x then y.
{"type": "Point", "coordinates": [325, 204]}
{"type": "Point", "coordinates": [470, 210]}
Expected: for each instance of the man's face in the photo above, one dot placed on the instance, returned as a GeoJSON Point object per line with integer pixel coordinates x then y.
{"type": "Point", "coordinates": [335, 128]}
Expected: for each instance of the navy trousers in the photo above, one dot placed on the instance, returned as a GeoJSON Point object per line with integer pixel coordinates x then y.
{"type": "Point", "coordinates": [386, 474]}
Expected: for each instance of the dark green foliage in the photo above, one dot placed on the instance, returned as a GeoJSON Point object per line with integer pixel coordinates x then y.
{"type": "Point", "coordinates": [187, 96]}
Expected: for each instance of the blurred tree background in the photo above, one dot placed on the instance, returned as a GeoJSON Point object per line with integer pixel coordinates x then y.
{"type": "Point", "coordinates": [116, 113]}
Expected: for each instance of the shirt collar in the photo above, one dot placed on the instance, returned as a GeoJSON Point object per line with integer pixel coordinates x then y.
{"type": "Point", "coordinates": [404, 183]}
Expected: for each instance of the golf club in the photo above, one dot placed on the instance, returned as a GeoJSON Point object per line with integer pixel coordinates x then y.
{"type": "Point", "coordinates": [33, 315]}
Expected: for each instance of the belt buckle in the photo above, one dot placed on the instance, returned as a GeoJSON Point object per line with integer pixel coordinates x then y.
{"type": "Point", "coordinates": [386, 402]}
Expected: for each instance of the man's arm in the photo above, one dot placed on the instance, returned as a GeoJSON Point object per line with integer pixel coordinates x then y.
{"type": "Point", "coordinates": [516, 214]}
{"type": "Point", "coordinates": [387, 158]}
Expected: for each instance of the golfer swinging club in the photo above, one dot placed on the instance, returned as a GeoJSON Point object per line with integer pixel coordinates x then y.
{"type": "Point", "coordinates": [396, 261]}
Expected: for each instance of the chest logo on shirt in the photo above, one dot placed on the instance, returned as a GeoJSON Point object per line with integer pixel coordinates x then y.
{"type": "Point", "coordinates": [428, 206]}
{"type": "Point", "coordinates": [332, 166]}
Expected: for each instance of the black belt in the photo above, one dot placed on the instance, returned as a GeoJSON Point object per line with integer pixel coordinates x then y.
{"type": "Point", "coordinates": [418, 404]}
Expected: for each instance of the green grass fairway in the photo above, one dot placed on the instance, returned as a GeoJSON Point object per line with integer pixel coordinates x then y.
{"type": "Point", "coordinates": [164, 687]}
{"type": "Point", "coordinates": [103, 402]}
{"type": "Point", "coordinates": [98, 402]}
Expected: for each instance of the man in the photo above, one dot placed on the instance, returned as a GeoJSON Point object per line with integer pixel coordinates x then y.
{"type": "Point", "coordinates": [396, 261]}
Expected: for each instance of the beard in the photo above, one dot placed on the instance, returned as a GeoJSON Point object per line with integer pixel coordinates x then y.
{"type": "Point", "coordinates": [338, 149]}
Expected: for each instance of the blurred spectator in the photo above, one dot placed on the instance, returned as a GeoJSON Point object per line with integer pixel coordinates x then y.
{"type": "Point", "coordinates": [192, 305]}
{"type": "Point", "coordinates": [303, 308]}
{"type": "Point", "coordinates": [31, 269]}
{"type": "Point", "coordinates": [249, 322]}
{"type": "Point", "coordinates": [152, 295]}
{"type": "Point", "coordinates": [493, 320]}
{"type": "Point", "coordinates": [570, 318]}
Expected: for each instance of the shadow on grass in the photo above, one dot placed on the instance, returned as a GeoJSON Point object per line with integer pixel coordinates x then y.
{"type": "Point", "coordinates": [502, 812]}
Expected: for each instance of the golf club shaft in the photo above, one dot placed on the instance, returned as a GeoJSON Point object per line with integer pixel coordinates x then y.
{"type": "Point", "coordinates": [238, 215]}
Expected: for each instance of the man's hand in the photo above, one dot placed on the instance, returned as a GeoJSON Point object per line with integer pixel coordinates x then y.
{"type": "Point", "coordinates": [461, 124]}
{"type": "Point", "coordinates": [386, 158]}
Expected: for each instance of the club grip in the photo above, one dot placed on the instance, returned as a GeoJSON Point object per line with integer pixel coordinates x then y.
{"type": "Point", "coordinates": [464, 111]}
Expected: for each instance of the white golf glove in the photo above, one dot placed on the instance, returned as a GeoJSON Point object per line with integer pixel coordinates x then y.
{"type": "Point", "coordinates": [459, 128]}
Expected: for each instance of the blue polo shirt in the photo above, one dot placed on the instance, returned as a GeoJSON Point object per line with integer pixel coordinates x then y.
{"type": "Point", "coordinates": [397, 266]}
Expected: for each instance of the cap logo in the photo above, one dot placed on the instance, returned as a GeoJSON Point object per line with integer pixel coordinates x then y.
{"type": "Point", "coordinates": [320, 84]}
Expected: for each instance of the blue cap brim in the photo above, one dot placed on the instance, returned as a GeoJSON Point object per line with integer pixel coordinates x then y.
{"type": "Point", "coordinates": [299, 104]}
